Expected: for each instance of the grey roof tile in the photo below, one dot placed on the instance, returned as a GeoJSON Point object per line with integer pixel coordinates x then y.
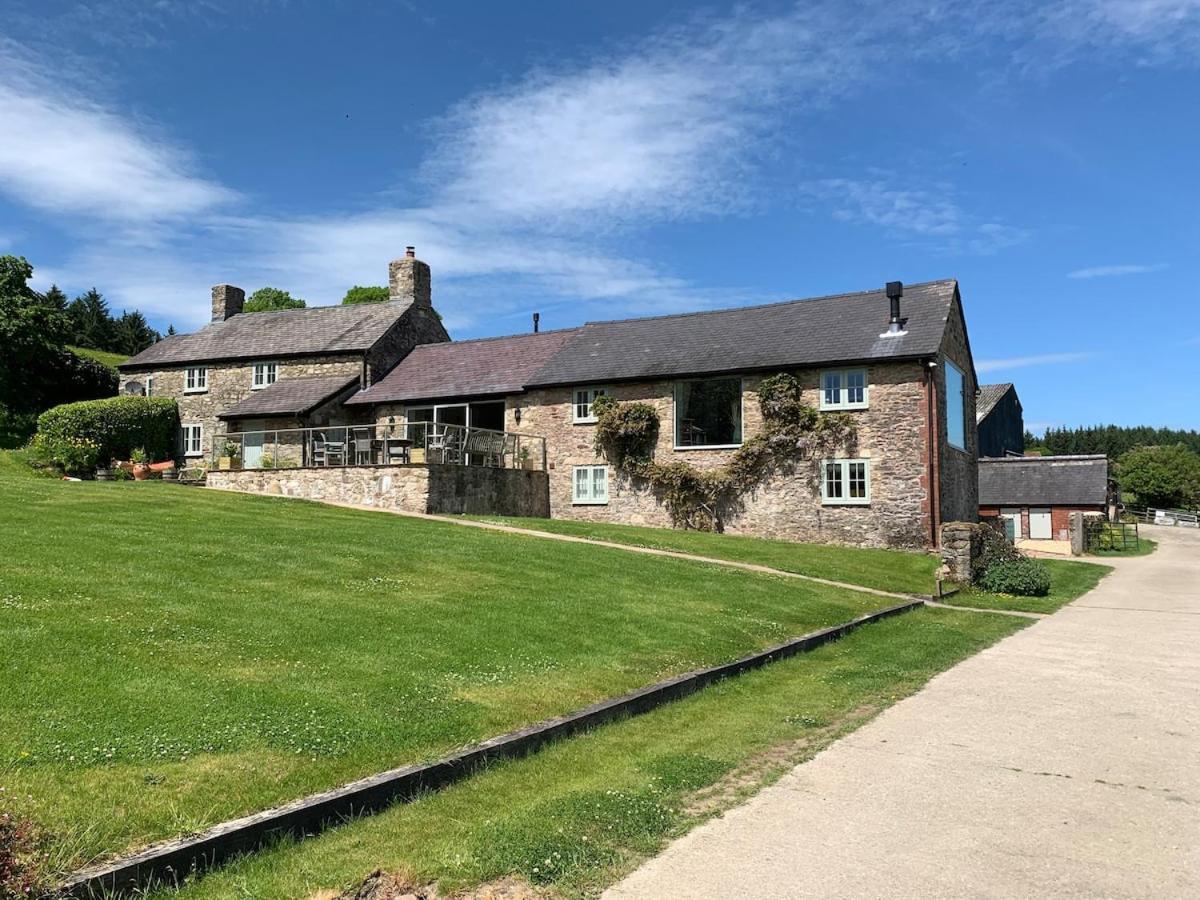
{"type": "Point", "coordinates": [989, 396]}
{"type": "Point", "coordinates": [483, 367]}
{"type": "Point", "coordinates": [1043, 481]}
{"type": "Point", "coordinates": [290, 397]}
{"type": "Point", "coordinates": [833, 329]}
{"type": "Point", "coordinates": [290, 332]}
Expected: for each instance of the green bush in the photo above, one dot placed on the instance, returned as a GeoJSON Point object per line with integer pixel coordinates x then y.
{"type": "Point", "coordinates": [1020, 577]}
{"type": "Point", "coordinates": [997, 548]}
{"type": "Point", "coordinates": [74, 455]}
{"type": "Point", "coordinates": [116, 425]}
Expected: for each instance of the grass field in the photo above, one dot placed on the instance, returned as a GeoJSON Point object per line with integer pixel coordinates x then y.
{"type": "Point", "coordinates": [584, 811]}
{"type": "Point", "coordinates": [1068, 581]}
{"type": "Point", "coordinates": [172, 657]}
{"type": "Point", "coordinates": [889, 570]}
{"type": "Point", "coordinates": [101, 356]}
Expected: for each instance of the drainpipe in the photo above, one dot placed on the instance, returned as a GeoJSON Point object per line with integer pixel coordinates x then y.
{"type": "Point", "coordinates": [932, 442]}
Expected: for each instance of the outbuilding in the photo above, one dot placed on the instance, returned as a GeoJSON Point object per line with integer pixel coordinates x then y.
{"type": "Point", "coordinates": [1034, 495]}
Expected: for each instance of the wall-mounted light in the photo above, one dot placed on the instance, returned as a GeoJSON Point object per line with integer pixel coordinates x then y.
{"type": "Point", "coordinates": [517, 414]}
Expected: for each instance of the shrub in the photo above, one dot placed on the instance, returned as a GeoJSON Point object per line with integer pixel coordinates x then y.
{"type": "Point", "coordinates": [116, 425]}
{"type": "Point", "coordinates": [75, 456]}
{"type": "Point", "coordinates": [22, 860]}
{"type": "Point", "coordinates": [997, 548]}
{"type": "Point", "coordinates": [1021, 577]}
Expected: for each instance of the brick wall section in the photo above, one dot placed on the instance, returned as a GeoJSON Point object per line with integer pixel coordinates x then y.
{"type": "Point", "coordinates": [473, 490]}
{"type": "Point", "coordinates": [229, 384]}
{"type": "Point", "coordinates": [1060, 518]}
{"type": "Point", "coordinates": [891, 434]}
{"type": "Point", "coordinates": [959, 469]}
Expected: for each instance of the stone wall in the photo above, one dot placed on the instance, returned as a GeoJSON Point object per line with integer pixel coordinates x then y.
{"type": "Point", "coordinates": [958, 470]}
{"type": "Point", "coordinates": [415, 488]}
{"type": "Point", "coordinates": [419, 325]}
{"type": "Point", "coordinates": [890, 433]}
{"type": "Point", "coordinates": [229, 384]}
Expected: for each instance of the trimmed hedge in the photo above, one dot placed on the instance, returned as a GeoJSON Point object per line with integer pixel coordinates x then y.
{"type": "Point", "coordinates": [1020, 577]}
{"type": "Point", "coordinates": [117, 425]}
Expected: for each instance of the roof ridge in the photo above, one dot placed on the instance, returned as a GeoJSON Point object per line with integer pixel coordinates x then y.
{"type": "Point", "coordinates": [773, 303]}
{"type": "Point", "coordinates": [1067, 457]}
{"type": "Point", "coordinates": [501, 337]}
{"type": "Point", "coordinates": [275, 313]}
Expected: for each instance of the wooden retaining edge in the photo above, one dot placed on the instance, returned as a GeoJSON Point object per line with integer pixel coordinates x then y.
{"type": "Point", "coordinates": [170, 861]}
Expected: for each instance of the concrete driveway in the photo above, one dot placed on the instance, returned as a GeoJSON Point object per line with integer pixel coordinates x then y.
{"type": "Point", "coordinates": [1062, 762]}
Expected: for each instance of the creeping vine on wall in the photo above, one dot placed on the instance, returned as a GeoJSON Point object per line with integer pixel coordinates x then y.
{"type": "Point", "coordinates": [793, 431]}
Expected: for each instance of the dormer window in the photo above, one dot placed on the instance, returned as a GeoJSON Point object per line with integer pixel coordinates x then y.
{"type": "Point", "coordinates": [264, 375]}
{"type": "Point", "coordinates": [195, 380]}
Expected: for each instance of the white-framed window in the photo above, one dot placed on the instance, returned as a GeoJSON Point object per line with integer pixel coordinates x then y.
{"type": "Point", "coordinates": [846, 482]}
{"type": "Point", "coordinates": [193, 439]}
{"type": "Point", "coordinates": [708, 413]}
{"type": "Point", "coordinates": [195, 380]}
{"type": "Point", "coordinates": [844, 389]}
{"type": "Point", "coordinates": [264, 375]}
{"type": "Point", "coordinates": [149, 385]}
{"type": "Point", "coordinates": [581, 404]}
{"type": "Point", "coordinates": [589, 485]}
{"type": "Point", "coordinates": [956, 407]}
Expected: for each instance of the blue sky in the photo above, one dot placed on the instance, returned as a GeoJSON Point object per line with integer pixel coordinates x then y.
{"type": "Point", "coordinates": [602, 159]}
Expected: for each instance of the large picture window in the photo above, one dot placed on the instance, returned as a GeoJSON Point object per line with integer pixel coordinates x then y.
{"type": "Point", "coordinates": [708, 413]}
{"type": "Point", "coordinates": [956, 407]}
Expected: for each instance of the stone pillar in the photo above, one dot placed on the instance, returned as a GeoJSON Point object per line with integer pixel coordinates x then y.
{"type": "Point", "coordinates": [227, 301]}
{"type": "Point", "coordinates": [961, 547]}
{"type": "Point", "coordinates": [409, 280]}
{"type": "Point", "coordinates": [1075, 527]}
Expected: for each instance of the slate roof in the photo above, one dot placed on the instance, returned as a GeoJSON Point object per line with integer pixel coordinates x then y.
{"type": "Point", "coordinates": [822, 330]}
{"type": "Point", "coordinates": [989, 396]}
{"type": "Point", "coordinates": [290, 397]}
{"type": "Point", "coordinates": [1044, 481]}
{"type": "Point", "coordinates": [289, 332]}
{"type": "Point", "coordinates": [483, 367]}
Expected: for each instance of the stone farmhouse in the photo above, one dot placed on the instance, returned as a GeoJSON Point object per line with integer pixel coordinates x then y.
{"type": "Point", "coordinates": [375, 405]}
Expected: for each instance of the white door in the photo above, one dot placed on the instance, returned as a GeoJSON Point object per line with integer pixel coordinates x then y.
{"type": "Point", "coordinates": [252, 444]}
{"type": "Point", "coordinates": [1039, 524]}
{"type": "Point", "coordinates": [1011, 517]}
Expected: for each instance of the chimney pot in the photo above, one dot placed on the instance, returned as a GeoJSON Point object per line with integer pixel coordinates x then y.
{"type": "Point", "coordinates": [227, 301]}
{"type": "Point", "coordinates": [409, 280]}
{"type": "Point", "coordinates": [894, 291]}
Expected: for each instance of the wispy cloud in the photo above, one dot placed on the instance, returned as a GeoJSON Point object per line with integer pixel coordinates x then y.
{"type": "Point", "coordinates": [63, 153]}
{"type": "Point", "coordinates": [1108, 271]}
{"type": "Point", "coordinates": [929, 214]}
{"type": "Point", "coordinates": [1023, 362]}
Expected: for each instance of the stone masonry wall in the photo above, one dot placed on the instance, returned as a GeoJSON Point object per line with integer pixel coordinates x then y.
{"type": "Point", "coordinates": [419, 325]}
{"type": "Point", "coordinates": [959, 469]}
{"type": "Point", "coordinates": [890, 433]}
{"type": "Point", "coordinates": [229, 384]}
{"type": "Point", "coordinates": [414, 488]}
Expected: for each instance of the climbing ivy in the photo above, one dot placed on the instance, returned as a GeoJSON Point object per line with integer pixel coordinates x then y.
{"type": "Point", "coordinates": [793, 431]}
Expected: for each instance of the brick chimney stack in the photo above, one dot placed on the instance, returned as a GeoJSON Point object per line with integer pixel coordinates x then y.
{"type": "Point", "coordinates": [409, 280]}
{"type": "Point", "coordinates": [227, 301]}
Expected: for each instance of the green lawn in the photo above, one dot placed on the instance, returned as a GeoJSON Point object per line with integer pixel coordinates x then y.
{"type": "Point", "coordinates": [101, 356]}
{"type": "Point", "coordinates": [889, 570]}
{"type": "Point", "coordinates": [1144, 547]}
{"type": "Point", "coordinates": [1068, 581]}
{"type": "Point", "coordinates": [582, 812]}
{"type": "Point", "coordinates": [172, 657]}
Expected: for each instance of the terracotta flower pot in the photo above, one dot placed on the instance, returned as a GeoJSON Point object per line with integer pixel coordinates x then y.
{"type": "Point", "coordinates": [141, 471]}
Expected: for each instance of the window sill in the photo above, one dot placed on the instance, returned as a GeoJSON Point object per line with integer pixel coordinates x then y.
{"type": "Point", "coordinates": [199, 455]}
{"type": "Point", "coordinates": [709, 447]}
{"type": "Point", "coordinates": [845, 502]}
{"type": "Point", "coordinates": [589, 503]}
{"type": "Point", "coordinates": [584, 421]}
{"type": "Point", "coordinates": [196, 391]}
{"type": "Point", "coordinates": [259, 387]}
{"type": "Point", "coordinates": [845, 407]}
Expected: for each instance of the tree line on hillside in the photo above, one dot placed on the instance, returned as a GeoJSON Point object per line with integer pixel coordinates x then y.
{"type": "Point", "coordinates": [1110, 440]}
{"type": "Point", "coordinates": [90, 323]}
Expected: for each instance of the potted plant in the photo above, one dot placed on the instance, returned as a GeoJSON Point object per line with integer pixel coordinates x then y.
{"type": "Point", "coordinates": [141, 464]}
{"type": "Point", "coordinates": [526, 459]}
{"type": "Point", "coordinates": [104, 473]}
{"type": "Point", "coordinates": [230, 454]}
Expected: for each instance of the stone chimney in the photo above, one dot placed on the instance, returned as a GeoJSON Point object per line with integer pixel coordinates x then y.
{"type": "Point", "coordinates": [227, 301]}
{"type": "Point", "coordinates": [408, 279]}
